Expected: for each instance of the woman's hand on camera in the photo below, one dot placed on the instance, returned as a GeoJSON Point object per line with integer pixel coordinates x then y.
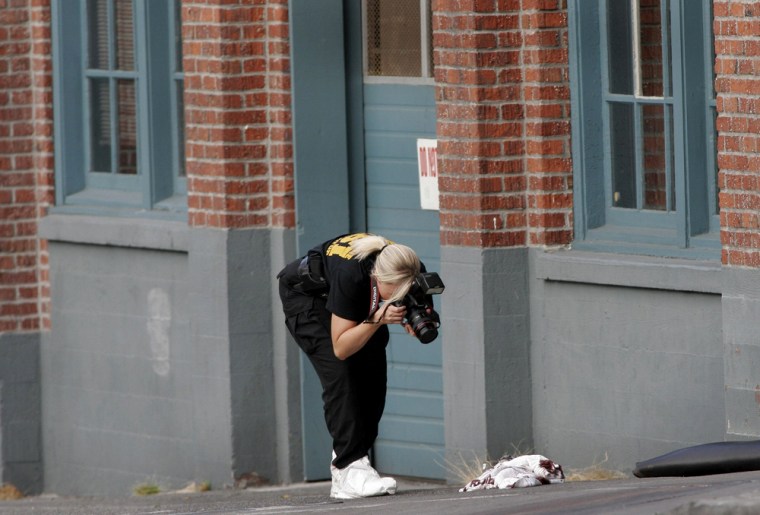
{"type": "Point", "coordinates": [349, 336]}
{"type": "Point", "coordinates": [390, 314]}
{"type": "Point", "coordinates": [397, 316]}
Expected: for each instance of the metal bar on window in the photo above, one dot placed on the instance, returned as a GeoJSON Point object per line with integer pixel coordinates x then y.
{"type": "Point", "coordinates": [668, 109]}
{"type": "Point", "coordinates": [114, 119]}
{"type": "Point", "coordinates": [106, 74]}
{"type": "Point", "coordinates": [176, 95]}
{"type": "Point", "coordinates": [679, 125]}
{"type": "Point", "coordinates": [365, 42]}
{"type": "Point", "coordinates": [606, 107]}
{"type": "Point", "coordinates": [666, 45]}
{"type": "Point", "coordinates": [84, 58]}
{"type": "Point", "coordinates": [615, 97]}
{"type": "Point", "coordinates": [425, 43]}
{"type": "Point", "coordinates": [669, 165]}
{"type": "Point", "coordinates": [637, 111]}
{"type": "Point", "coordinates": [144, 84]}
{"type": "Point", "coordinates": [636, 34]}
{"type": "Point", "coordinates": [710, 115]}
{"type": "Point", "coordinates": [112, 93]}
{"type": "Point", "coordinates": [111, 31]}
{"type": "Point", "coordinates": [638, 132]}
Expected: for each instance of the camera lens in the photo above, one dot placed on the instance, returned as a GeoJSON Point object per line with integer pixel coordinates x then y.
{"type": "Point", "coordinates": [424, 328]}
{"type": "Point", "coordinates": [426, 334]}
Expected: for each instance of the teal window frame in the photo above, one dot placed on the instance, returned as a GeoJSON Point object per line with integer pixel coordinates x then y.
{"type": "Point", "coordinates": [689, 225]}
{"type": "Point", "coordinates": [159, 188]}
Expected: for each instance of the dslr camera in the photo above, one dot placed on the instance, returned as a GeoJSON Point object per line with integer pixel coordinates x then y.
{"type": "Point", "coordinates": [418, 302]}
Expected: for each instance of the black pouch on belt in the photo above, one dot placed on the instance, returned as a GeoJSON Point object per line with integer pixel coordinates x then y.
{"type": "Point", "coordinates": [311, 276]}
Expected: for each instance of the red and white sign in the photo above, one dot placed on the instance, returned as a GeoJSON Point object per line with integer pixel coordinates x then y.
{"type": "Point", "coordinates": [427, 161]}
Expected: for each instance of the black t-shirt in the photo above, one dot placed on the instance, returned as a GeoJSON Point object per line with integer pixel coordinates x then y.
{"type": "Point", "coordinates": [349, 279]}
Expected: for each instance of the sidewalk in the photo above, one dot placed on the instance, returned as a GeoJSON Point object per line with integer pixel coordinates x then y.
{"type": "Point", "coordinates": [734, 494]}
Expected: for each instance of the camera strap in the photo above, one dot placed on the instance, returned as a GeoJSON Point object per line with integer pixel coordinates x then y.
{"type": "Point", "coordinates": [374, 300]}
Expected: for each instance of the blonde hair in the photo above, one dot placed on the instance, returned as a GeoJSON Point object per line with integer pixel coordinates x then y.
{"type": "Point", "coordinates": [394, 263]}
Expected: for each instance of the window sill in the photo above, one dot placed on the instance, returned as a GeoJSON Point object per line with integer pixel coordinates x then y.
{"type": "Point", "coordinates": [648, 241]}
{"type": "Point", "coordinates": [631, 271]}
{"type": "Point", "coordinates": [124, 204]}
{"type": "Point", "coordinates": [149, 233]}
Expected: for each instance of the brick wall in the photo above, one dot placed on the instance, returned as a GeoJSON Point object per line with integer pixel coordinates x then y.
{"type": "Point", "coordinates": [238, 120]}
{"type": "Point", "coordinates": [26, 162]}
{"type": "Point", "coordinates": [737, 49]}
{"type": "Point", "coordinates": [503, 122]}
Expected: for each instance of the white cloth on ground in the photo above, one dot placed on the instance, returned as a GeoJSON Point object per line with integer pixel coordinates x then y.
{"type": "Point", "coordinates": [520, 472]}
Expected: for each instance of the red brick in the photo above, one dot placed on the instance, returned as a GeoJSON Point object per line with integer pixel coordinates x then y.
{"type": "Point", "coordinates": [737, 66]}
{"type": "Point", "coordinates": [248, 134]}
{"type": "Point", "coordinates": [476, 175]}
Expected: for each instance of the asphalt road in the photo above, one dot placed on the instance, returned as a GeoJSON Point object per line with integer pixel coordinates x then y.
{"type": "Point", "coordinates": [737, 494]}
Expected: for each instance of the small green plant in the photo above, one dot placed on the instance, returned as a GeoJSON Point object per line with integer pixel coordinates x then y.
{"type": "Point", "coordinates": [465, 468]}
{"type": "Point", "coordinates": [146, 489]}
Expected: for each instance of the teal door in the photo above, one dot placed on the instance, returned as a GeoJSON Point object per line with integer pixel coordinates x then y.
{"type": "Point", "coordinates": [355, 150]}
{"type": "Point", "coordinates": [411, 440]}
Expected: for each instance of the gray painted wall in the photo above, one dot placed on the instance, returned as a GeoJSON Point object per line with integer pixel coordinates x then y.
{"type": "Point", "coordinates": [168, 360]}
{"type": "Point", "coordinates": [627, 357]}
{"type": "Point", "coordinates": [20, 434]}
{"type": "Point", "coordinates": [287, 369]}
{"type": "Point", "coordinates": [741, 352]}
{"type": "Point", "coordinates": [163, 364]}
{"type": "Point", "coordinates": [118, 394]}
{"type": "Point", "coordinates": [595, 359]}
{"type": "Point", "coordinates": [486, 369]}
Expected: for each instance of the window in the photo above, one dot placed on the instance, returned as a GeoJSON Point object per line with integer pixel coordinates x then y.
{"type": "Point", "coordinates": [397, 40]}
{"type": "Point", "coordinates": [118, 106]}
{"type": "Point", "coordinates": [643, 111]}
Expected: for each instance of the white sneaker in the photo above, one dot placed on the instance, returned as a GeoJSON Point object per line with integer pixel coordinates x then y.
{"type": "Point", "coordinates": [359, 479]}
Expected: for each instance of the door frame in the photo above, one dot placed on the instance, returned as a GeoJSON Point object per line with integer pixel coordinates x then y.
{"type": "Point", "coordinates": [328, 160]}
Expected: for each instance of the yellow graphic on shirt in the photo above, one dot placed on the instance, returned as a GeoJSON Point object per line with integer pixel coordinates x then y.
{"type": "Point", "coordinates": [342, 246]}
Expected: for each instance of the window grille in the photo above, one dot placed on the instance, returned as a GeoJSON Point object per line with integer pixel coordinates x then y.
{"type": "Point", "coordinates": [397, 38]}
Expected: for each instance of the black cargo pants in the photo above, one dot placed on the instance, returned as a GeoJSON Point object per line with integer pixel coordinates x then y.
{"type": "Point", "coordinates": [353, 390]}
